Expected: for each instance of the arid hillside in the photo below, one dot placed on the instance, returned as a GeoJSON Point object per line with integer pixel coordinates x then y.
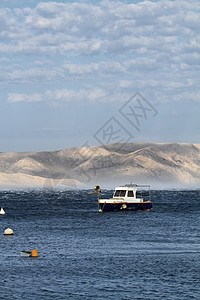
{"type": "Point", "coordinates": [162, 165]}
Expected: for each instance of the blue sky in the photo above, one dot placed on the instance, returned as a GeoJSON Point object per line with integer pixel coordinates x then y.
{"type": "Point", "coordinates": [68, 67]}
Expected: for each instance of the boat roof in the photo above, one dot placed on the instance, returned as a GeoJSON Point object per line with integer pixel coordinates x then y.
{"type": "Point", "coordinates": [131, 187]}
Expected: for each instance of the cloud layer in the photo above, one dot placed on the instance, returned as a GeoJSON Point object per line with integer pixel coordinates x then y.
{"type": "Point", "coordinates": [102, 51]}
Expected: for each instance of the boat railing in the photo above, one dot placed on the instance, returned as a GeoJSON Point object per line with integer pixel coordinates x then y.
{"type": "Point", "coordinates": [144, 192]}
{"type": "Point", "coordinates": [136, 185]}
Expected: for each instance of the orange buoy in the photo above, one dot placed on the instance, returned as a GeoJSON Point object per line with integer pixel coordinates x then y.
{"type": "Point", "coordinates": [34, 253]}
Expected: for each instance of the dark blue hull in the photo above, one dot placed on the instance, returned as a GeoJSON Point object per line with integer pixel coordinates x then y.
{"type": "Point", "coordinates": [125, 206]}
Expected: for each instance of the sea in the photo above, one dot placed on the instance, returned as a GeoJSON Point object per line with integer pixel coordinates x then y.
{"type": "Point", "coordinates": [84, 254]}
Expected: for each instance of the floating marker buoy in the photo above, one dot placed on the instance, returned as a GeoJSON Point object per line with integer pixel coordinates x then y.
{"type": "Point", "coordinates": [2, 212]}
{"type": "Point", "coordinates": [25, 253]}
{"type": "Point", "coordinates": [34, 253]}
{"type": "Point", "coordinates": [8, 231]}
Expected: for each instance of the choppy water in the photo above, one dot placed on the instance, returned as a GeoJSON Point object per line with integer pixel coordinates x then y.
{"type": "Point", "coordinates": [84, 254]}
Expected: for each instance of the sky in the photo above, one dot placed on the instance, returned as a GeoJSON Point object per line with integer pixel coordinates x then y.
{"type": "Point", "coordinates": [83, 73]}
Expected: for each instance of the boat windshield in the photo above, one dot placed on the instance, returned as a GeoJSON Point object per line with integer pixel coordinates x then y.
{"type": "Point", "coordinates": [120, 193]}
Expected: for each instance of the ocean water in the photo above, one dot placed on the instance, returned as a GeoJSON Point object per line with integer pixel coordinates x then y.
{"type": "Point", "coordinates": [84, 254]}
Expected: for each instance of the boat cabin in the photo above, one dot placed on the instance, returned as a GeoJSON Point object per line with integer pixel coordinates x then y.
{"type": "Point", "coordinates": [132, 192]}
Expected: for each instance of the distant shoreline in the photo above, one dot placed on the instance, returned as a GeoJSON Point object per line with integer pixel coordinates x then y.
{"type": "Point", "coordinates": [173, 165]}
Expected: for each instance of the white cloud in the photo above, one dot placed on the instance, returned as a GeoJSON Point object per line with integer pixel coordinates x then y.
{"type": "Point", "coordinates": [12, 97]}
{"type": "Point", "coordinates": [65, 96]}
{"type": "Point", "coordinates": [7, 19]}
{"type": "Point", "coordinates": [113, 46]}
{"type": "Point", "coordinates": [59, 96]}
{"type": "Point", "coordinates": [105, 27]}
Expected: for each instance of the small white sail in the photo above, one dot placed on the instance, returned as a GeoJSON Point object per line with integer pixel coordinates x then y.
{"type": "Point", "coordinates": [2, 212]}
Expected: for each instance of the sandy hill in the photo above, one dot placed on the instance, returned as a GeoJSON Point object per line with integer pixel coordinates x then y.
{"type": "Point", "coordinates": [175, 165]}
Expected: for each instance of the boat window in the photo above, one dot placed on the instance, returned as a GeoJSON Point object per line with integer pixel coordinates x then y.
{"type": "Point", "coordinates": [123, 193]}
{"type": "Point", "coordinates": [117, 193]}
{"type": "Point", "coordinates": [120, 193]}
{"type": "Point", "coordinates": [130, 194]}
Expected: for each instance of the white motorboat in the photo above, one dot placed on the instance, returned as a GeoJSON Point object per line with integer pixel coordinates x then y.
{"type": "Point", "coordinates": [129, 197]}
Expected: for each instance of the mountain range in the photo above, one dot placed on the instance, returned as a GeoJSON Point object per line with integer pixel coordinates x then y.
{"type": "Point", "coordinates": [159, 164]}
